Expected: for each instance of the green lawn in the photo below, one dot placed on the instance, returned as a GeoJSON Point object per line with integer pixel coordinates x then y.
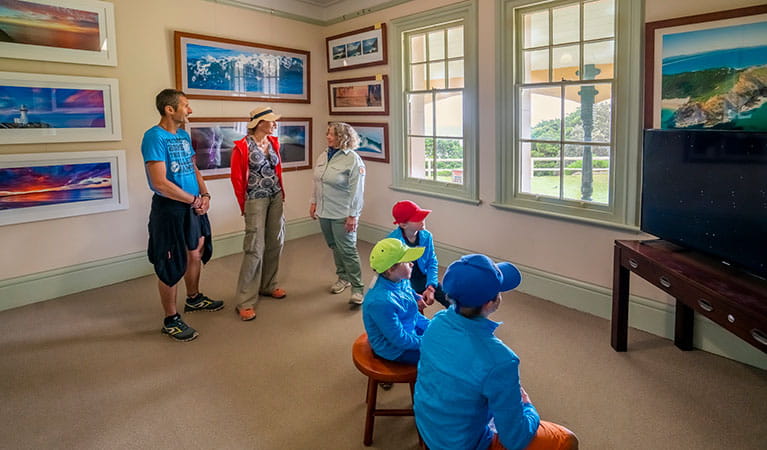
{"type": "Point", "coordinates": [549, 185]}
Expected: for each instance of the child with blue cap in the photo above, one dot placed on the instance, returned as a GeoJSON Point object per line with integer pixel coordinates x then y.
{"type": "Point", "coordinates": [390, 311]}
{"type": "Point", "coordinates": [468, 394]}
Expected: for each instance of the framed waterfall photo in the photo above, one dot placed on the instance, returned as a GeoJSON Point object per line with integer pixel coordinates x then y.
{"type": "Point", "coordinates": [295, 136]}
{"type": "Point", "coordinates": [213, 68]}
{"type": "Point", "coordinates": [705, 71]}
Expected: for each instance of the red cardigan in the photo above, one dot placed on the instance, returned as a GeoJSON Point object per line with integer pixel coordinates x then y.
{"type": "Point", "coordinates": [240, 168]}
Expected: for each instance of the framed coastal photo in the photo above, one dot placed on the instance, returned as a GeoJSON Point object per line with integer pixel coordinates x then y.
{"type": "Point", "coordinates": [209, 67]}
{"type": "Point", "coordinates": [295, 135]}
{"type": "Point", "coordinates": [213, 140]}
{"type": "Point", "coordinates": [359, 96]}
{"type": "Point", "coordinates": [38, 108]}
{"type": "Point", "coordinates": [44, 186]}
{"type": "Point", "coordinates": [358, 48]}
{"type": "Point", "coordinates": [705, 71]}
{"type": "Point", "coordinates": [374, 140]}
{"type": "Point", "coordinates": [72, 31]}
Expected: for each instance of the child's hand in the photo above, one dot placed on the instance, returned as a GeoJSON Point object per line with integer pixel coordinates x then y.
{"type": "Point", "coordinates": [428, 295]}
{"type": "Point", "coordinates": [421, 303]}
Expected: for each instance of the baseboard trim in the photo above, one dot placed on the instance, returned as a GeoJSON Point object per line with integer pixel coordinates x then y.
{"type": "Point", "coordinates": [644, 314]}
{"type": "Point", "coordinates": [28, 289]}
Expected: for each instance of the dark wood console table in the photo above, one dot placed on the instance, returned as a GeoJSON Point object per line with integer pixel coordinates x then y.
{"type": "Point", "coordinates": [730, 298]}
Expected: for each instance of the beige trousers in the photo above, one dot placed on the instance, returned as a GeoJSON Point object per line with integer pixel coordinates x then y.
{"type": "Point", "coordinates": [262, 248]}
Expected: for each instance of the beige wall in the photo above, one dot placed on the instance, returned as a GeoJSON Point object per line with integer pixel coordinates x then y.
{"type": "Point", "coordinates": [145, 66]}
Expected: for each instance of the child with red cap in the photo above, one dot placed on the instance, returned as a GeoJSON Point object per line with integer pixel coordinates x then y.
{"type": "Point", "coordinates": [412, 231]}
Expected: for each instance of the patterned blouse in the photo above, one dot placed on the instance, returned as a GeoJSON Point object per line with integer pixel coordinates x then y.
{"type": "Point", "coordinates": [262, 179]}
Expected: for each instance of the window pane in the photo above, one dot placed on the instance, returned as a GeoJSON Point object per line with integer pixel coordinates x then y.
{"type": "Point", "coordinates": [600, 56]}
{"type": "Point", "coordinates": [536, 66]}
{"type": "Point", "coordinates": [455, 74]}
{"type": "Point", "coordinates": [418, 48]}
{"type": "Point", "coordinates": [540, 113]}
{"type": "Point", "coordinates": [587, 173]}
{"type": "Point", "coordinates": [589, 113]}
{"type": "Point", "coordinates": [566, 61]}
{"type": "Point", "coordinates": [536, 29]}
{"type": "Point", "coordinates": [421, 158]}
{"type": "Point", "coordinates": [450, 160]}
{"type": "Point", "coordinates": [418, 77]}
{"type": "Point", "coordinates": [455, 42]}
{"type": "Point", "coordinates": [436, 45]}
{"type": "Point", "coordinates": [437, 75]}
{"type": "Point", "coordinates": [599, 19]}
{"type": "Point", "coordinates": [542, 161]}
{"type": "Point", "coordinates": [420, 114]}
{"type": "Point", "coordinates": [449, 111]}
{"type": "Point", "coordinates": [566, 24]}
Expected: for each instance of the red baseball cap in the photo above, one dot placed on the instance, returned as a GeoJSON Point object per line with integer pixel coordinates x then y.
{"type": "Point", "coordinates": [407, 211]}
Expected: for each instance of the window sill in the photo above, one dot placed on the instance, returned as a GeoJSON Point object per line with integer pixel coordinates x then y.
{"type": "Point", "coordinates": [569, 218]}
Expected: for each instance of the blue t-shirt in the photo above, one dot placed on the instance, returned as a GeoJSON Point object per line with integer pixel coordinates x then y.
{"type": "Point", "coordinates": [175, 150]}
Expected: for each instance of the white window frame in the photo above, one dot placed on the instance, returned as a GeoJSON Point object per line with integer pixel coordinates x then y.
{"type": "Point", "coordinates": [466, 12]}
{"type": "Point", "coordinates": [623, 206]}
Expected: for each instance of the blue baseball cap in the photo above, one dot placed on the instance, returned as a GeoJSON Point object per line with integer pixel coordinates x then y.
{"type": "Point", "coordinates": [475, 279]}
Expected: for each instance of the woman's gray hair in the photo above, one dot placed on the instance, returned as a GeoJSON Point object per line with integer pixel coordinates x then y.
{"type": "Point", "coordinates": [348, 139]}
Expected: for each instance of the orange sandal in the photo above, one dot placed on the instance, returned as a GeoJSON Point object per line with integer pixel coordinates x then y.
{"type": "Point", "coordinates": [247, 314]}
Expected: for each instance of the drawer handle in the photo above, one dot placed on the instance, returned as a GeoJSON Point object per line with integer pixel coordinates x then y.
{"type": "Point", "coordinates": [665, 282]}
{"type": "Point", "coordinates": [704, 305]}
{"type": "Point", "coordinates": [633, 263]}
{"type": "Point", "coordinates": [759, 336]}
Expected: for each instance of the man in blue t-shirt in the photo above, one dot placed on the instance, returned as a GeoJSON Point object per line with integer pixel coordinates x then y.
{"type": "Point", "coordinates": [179, 229]}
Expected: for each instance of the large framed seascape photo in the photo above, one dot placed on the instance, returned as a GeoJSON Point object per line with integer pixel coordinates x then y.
{"type": "Point", "coordinates": [707, 71]}
{"type": "Point", "coordinates": [213, 140]}
{"type": "Point", "coordinates": [72, 31]}
{"type": "Point", "coordinates": [359, 96]}
{"type": "Point", "coordinates": [44, 186]}
{"type": "Point", "coordinates": [209, 67]}
{"type": "Point", "coordinates": [358, 48]}
{"type": "Point", "coordinates": [36, 108]}
{"type": "Point", "coordinates": [295, 135]}
{"type": "Point", "coordinates": [374, 140]}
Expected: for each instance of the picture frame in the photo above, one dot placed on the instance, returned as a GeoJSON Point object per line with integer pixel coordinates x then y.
{"type": "Point", "coordinates": [213, 141]}
{"type": "Point", "coordinates": [374, 140]}
{"type": "Point", "coordinates": [705, 44]}
{"type": "Point", "coordinates": [295, 136]}
{"type": "Point", "coordinates": [70, 31]}
{"type": "Point", "coordinates": [359, 48]}
{"type": "Point", "coordinates": [40, 108]}
{"type": "Point", "coordinates": [45, 186]}
{"type": "Point", "coordinates": [204, 70]}
{"type": "Point", "coordinates": [359, 96]}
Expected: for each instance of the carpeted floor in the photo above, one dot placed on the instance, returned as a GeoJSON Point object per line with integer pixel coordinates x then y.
{"type": "Point", "coordinates": [92, 371]}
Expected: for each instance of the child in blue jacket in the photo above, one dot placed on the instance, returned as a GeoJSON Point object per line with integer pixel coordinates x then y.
{"type": "Point", "coordinates": [390, 311]}
{"type": "Point", "coordinates": [412, 231]}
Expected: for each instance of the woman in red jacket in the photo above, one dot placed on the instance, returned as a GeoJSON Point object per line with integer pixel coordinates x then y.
{"type": "Point", "coordinates": [257, 182]}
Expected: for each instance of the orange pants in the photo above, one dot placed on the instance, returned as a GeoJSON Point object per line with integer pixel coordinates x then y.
{"type": "Point", "coordinates": [549, 436]}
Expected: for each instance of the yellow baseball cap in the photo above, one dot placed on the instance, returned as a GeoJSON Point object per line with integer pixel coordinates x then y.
{"type": "Point", "coordinates": [388, 252]}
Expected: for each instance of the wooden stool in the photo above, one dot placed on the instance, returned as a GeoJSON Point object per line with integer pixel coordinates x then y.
{"type": "Point", "coordinates": [378, 371]}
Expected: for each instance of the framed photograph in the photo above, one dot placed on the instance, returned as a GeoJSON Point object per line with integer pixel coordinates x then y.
{"type": "Point", "coordinates": [213, 140]}
{"type": "Point", "coordinates": [38, 108]}
{"type": "Point", "coordinates": [374, 140]}
{"type": "Point", "coordinates": [295, 135]}
{"type": "Point", "coordinates": [43, 186]}
{"type": "Point", "coordinates": [213, 68]}
{"type": "Point", "coordinates": [704, 71]}
{"type": "Point", "coordinates": [72, 31]}
{"type": "Point", "coordinates": [359, 96]}
{"type": "Point", "coordinates": [358, 48]}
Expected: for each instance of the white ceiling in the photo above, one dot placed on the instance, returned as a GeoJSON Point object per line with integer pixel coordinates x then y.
{"type": "Point", "coordinates": [318, 10]}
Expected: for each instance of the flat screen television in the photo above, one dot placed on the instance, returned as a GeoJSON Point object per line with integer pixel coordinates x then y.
{"type": "Point", "coordinates": [707, 190]}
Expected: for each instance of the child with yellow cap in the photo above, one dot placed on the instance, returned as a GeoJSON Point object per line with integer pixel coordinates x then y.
{"type": "Point", "coordinates": [390, 311]}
